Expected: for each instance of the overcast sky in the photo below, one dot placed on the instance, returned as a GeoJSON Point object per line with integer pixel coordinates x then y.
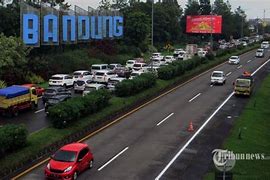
{"type": "Point", "coordinates": [253, 8]}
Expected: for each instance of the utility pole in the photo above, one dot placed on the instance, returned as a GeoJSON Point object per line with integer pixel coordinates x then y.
{"type": "Point", "coordinates": [152, 40]}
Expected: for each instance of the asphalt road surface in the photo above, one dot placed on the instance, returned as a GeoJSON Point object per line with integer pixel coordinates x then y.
{"type": "Point", "coordinates": [142, 144]}
{"type": "Point", "coordinates": [33, 120]}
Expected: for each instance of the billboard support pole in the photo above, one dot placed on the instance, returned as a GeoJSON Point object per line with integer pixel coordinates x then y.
{"type": "Point", "coordinates": [211, 38]}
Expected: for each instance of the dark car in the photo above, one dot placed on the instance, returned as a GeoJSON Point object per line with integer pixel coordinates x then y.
{"type": "Point", "coordinates": [122, 72]}
{"type": "Point", "coordinates": [55, 100]}
{"type": "Point", "coordinates": [53, 91]}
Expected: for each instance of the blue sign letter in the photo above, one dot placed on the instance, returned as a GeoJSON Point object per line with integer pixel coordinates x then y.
{"type": "Point", "coordinates": [50, 34]}
{"type": "Point", "coordinates": [96, 27]}
{"type": "Point", "coordinates": [108, 28]}
{"type": "Point", "coordinates": [69, 29]}
{"type": "Point", "coordinates": [118, 26]}
{"type": "Point", "coordinates": [83, 28]}
{"type": "Point", "coordinates": [30, 29]}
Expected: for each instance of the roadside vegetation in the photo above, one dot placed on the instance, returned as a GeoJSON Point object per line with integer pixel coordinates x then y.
{"type": "Point", "coordinates": [254, 125]}
{"type": "Point", "coordinates": [44, 139]}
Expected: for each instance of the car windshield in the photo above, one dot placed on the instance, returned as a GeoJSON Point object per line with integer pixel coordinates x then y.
{"type": "Point", "coordinates": [260, 50]}
{"type": "Point", "coordinates": [234, 57]}
{"type": "Point", "coordinates": [217, 75]}
{"type": "Point", "coordinates": [112, 66]}
{"type": "Point", "coordinates": [242, 83]}
{"type": "Point", "coordinates": [80, 83]}
{"type": "Point", "coordinates": [65, 156]}
{"type": "Point", "coordinates": [96, 67]}
{"type": "Point", "coordinates": [130, 62]}
{"type": "Point", "coordinates": [49, 91]}
{"type": "Point", "coordinates": [100, 74]}
{"type": "Point", "coordinates": [76, 74]}
{"type": "Point", "coordinates": [137, 65]}
{"type": "Point", "coordinates": [56, 78]}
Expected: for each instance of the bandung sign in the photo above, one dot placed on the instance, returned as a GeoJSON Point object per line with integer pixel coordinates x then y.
{"type": "Point", "coordinates": [49, 26]}
{"type": "Point", "coordinates": [204, 24]}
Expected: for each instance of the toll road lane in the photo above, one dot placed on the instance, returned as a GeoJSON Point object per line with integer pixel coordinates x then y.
{"type": "Point", "coordinates": [151, 146]}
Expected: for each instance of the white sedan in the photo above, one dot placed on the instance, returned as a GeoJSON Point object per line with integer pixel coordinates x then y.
{"type": "Point", "coordinates": [234, 60]}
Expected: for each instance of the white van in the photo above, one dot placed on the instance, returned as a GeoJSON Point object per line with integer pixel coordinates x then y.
{"type": "Point", "coordinates": [218, 77]}
{"type": "Point", "coordinates": [265, 45]}
{"type": "Point", "coordinates": [98, 67]}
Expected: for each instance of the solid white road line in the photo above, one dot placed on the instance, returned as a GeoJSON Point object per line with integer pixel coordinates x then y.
{"type": "Point", "coordinates": [229, 74]}
{"type": "Point", "coordinates": [201, 128]}
{"type": "Point", "coordinates": [99, 169]}
{"type": "Point", "coordinates": [239, 66]}
{"type": "Point", "coordinates": [194, 97]}
{"type": "Point", "coordinates": [248, 61]}
{"type": "Point", "coordinates": [165, 119]}
{"type": "Point", "coordinates": [260, 67]}
{"type": "Point", "coordinates": [40, 110]}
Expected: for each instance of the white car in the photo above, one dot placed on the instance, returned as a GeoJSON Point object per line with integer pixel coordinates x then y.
{"type": "Point", "coordinates": [114, 66]}
{"type": "Point", "coordinates": [130, 63]}
{"type": "Point", "coordinates": [218, 77]}
{"type": "Point", "coordinates": [181, 55]}
{"type": "Point", "coordinates": [157, 61]}
{"type": "Point", "coordinates": [113, 82]}
{"type": "Point", "coordinates": [244, 43]}
{"type": "Point", "coordinates": [135, 74]}
{"type": "Point", "coordinates": [79, 85]}
{"type": "Point", "coordinates": [98, 67]}
{"type": "Point", "coordinates": [202, 53]}
{"type": "Point", "coordinates": [155, 55]}
{"type": "Point", "coordinates": [234, 60]}
{"type": "Point", "coordinates": [260, 53]}
{"type": "Point", "coordinates": [82, 74]}
{"type": "Point", "coordinates": [265, 45]}
{"type": "Point", "coordinates": [93, 87]}
{"type": "Point", "coordinates": [169, 59]}
{"type": "Point", "coordinates": [176, 51]}
{"type": "Point", "coordinates": [104, 76]}
{"type": "Point", "coordinates": [138, 66]}
{"type": "Point", "coordinates": [64, 80]}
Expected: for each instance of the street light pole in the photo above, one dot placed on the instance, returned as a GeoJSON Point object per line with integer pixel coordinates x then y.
{"type": "Point", "coordinates": [152, 40]}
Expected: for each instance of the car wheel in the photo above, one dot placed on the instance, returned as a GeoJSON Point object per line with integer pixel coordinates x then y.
{"type": "Point", "coordinates": [91, 164]}
{"type": "Point", "coordinates": [75, 176]}
{"type": "Point", "coordinates": [65, 86]}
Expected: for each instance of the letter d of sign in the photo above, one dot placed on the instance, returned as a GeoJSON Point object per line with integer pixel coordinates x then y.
{"type": "Point", "coordinates": [30, 29]}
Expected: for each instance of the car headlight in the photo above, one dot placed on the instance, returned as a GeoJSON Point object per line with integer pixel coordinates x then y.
{"type": "Point", "coordinates": [68, 169]}
{"type": "Point", "coordinates": [49, 166]}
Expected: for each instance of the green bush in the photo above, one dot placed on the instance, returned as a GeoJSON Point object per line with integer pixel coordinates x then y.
{"type": "Point", "coordinates": [63, 114]}
{"type": "Point", "coordinates": [136, 85]}
{"type": "Point", "coordinates": [12, 137]}
{"type": "Point", "coordinates": [34, 79]}
{"type": "Point", "coordinates": [2, 84]}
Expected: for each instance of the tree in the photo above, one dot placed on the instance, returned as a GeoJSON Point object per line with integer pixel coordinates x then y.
{"type": "Point", "coordinates": [119, 4]}
{"type": "Point", "coordinates": [12, 59]}
{"type": "Point", "coordinates": [240, 23]}
{"type": "Point", "coordinates": [105, 5]}
{"type": "Point", "coordinates": [137, 28]}
{"type": "Point", "coordinates": [205, 7]}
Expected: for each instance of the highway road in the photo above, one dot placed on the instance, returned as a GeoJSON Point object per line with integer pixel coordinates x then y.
{"type": "Point", "coordinates": [142, 144]}
{"type": "Point", "coordinates": [33, 120]}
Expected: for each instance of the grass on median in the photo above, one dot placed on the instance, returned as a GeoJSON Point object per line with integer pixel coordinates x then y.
{"type": "Point", "coordinates": [255, 126]}
{"type": "Point", "coordinates": [47, 136]}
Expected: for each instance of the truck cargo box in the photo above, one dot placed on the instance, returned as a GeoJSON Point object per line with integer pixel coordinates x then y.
{"type": "Point", "coordinates": [13, 91]}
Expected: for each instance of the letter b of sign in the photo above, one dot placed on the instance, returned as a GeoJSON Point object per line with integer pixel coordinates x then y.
{"type": "Point", "coordinates": [30, 29]}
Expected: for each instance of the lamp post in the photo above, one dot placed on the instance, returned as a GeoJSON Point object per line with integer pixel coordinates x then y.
{"type": "Point", "coordinates": [152, 35]}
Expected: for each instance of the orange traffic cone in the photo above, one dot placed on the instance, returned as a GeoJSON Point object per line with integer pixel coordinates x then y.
{"type": "Point", "coordinates": [190, 127]}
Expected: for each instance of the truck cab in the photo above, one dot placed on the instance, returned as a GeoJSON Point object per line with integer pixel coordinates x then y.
{"type": "Point", "coordinates": [243, 85]}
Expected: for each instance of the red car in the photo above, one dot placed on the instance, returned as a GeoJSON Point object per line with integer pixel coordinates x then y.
{"type": "Point", "coordinates": [69, 161]}
{"type": "Point", "coordinates": [39, 90]}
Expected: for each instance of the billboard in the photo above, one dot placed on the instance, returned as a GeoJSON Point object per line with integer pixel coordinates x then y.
{"type": "Point", "coordinates": [204, 24]}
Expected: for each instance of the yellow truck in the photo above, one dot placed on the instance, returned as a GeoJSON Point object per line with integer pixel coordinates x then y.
{"type": "Point", "coordinates": [16, 98]}
{"type": "Point", "coordinates": [243, 85]}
